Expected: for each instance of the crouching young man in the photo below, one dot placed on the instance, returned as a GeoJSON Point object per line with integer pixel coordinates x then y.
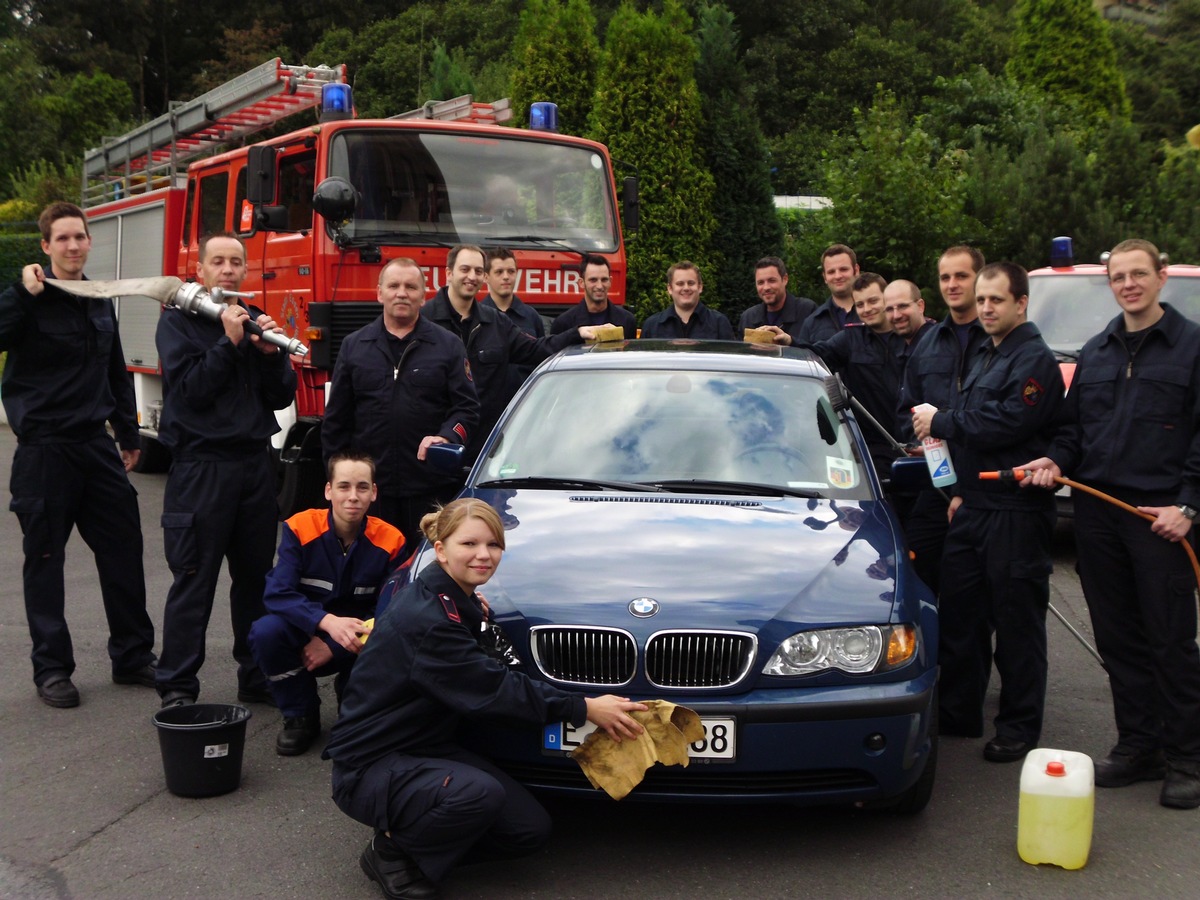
{"type": "Point", "coordinates": [325, 583]}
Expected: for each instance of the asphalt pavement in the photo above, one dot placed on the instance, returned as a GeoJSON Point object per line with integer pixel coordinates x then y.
{"type": "Point", "coordinates": [85, 814]}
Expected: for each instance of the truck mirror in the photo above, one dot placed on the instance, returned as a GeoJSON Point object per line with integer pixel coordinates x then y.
{"type": "Point", "coordinates": [272, 218]}
{"type": "Point", "coordinates": [260, 175]}
{"type": "Point", "coordinates": [335, 199]}
{"type": "Point", "coordinates": [630, 202]}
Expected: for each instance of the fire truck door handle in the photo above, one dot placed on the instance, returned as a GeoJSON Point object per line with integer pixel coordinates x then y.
{"type": "Point", "coordinates": [267, 276]}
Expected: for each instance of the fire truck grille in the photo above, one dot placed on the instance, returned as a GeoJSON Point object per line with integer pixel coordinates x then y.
{"type": "Point", "coordinates": [345, 318]}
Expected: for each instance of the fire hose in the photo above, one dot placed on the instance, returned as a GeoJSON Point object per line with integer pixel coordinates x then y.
{"type": "Point", "coordinates": [189, 297]}
{"type": "Point", "coordinates": [1018, 474]}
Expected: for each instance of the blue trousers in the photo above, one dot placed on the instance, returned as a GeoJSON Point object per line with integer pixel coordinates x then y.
{"type": "Point", "coordinates": [215, 510]}
{"type": "Point", "coordinates": [57, 487]}
{"type": "Point", "coordinates": [456, 807]}
{"type": "Point", "coordinates": [995, 578]}
{"type": "Point", "coordinates": [276, 644]}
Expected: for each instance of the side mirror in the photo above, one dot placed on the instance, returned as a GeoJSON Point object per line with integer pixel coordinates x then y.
{"type": "Point", "coordinates": [271, 218]}
{"type": "Point", "coordinates": [910, 473]}
{"type": "Point", "coordinates": [630, 203]}
{"type": "Point", "coordinates": [446, 458]}
{"type": "Point", "coordinates": [335, 199]}
{"type": "Point", "coordinates": [260, 175]}
{"type": "Point", "coordinates": [827, 421]}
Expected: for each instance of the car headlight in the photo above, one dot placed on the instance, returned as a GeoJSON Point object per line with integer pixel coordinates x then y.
{"type": "Point", "coordinates": [859, 650]}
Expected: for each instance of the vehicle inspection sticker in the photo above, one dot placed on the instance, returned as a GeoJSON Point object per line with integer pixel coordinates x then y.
{"type": "Point", "coordinates": [508, 471]}
{"type": "Point", "coordinates": [840, 471]}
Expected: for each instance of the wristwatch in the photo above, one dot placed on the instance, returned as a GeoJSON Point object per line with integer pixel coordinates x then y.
{"type": "Point", "coordinates": [1189, 512]}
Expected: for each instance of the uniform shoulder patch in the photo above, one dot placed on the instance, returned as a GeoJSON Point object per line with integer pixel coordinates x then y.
{"type": "Point", "coordinates": [1032, 392]}
{"type": "Point", "coordinates": [467, 369]}
{"type": "Point", "coordinates": [450, 608]}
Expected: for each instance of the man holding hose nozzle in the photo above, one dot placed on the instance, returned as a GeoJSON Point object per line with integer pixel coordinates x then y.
{"type": "Point", "coordinates": [1134, 433]}
{"type": "Point", "coordinates": [996, 564]}
{"type": "Point", "coordinates": [221, 387]}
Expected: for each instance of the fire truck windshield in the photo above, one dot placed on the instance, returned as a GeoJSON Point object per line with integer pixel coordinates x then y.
{"type": "Point", "coordinates": [469, 188]}
{"type": "Point", "coordinates": [1071, 309]}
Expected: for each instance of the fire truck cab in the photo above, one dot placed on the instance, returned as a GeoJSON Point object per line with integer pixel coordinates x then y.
{"type": "Point", "coordinates": [413, 186]}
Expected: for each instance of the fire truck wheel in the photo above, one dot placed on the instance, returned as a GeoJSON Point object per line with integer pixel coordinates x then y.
{"type": "Point", "coordinates": [154, 457]}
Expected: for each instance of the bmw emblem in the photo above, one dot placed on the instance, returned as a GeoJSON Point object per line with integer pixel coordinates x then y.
{"type": "Point", "coordinates": [643, 607]}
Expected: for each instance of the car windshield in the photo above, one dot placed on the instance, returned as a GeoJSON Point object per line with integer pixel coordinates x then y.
{"type": "Point", "coordinates": [656, 426]}
{"type": "Point", "coordinates": [1070, 309]}
{"type": "Point", "coordinates": [469, 188]}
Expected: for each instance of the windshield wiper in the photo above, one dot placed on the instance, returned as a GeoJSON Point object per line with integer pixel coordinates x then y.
{"type": "Point", "coordinates": [700, 485]}
{"type": "Point", "coordinates": [538, 481]}
{"type": "Point", "coordinates": [539, 239]}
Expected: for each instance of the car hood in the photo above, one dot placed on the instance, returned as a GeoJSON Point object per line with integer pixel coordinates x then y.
{"type": "Point", "coordinates": [708, 561]}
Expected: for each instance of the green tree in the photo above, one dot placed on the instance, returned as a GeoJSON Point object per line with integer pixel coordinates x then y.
{"type": "Point", "coordinates": [647, 110]}
{"type": "Point", "coordinates": [449, 76]}
{"type": "Point", "coordinates": [1176, 227]}
{"type": "Point", "coordinates": [1063, 47]}
{"type": "Point", "coordinates": [896, 200]}
{"type": "Point", "coordinates": [735, 154]}
{"type": "Point", "coordinates": [555, 54]}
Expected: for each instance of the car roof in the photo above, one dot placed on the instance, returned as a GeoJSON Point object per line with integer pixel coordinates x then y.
{"type": "Point", "coordinates": [716, 356]}
{"type": "Point", "coordinates": [1174, 270]}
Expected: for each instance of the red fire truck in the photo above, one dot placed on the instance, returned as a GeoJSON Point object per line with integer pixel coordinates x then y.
{"type": "Point", "coordinates": [418, 183]}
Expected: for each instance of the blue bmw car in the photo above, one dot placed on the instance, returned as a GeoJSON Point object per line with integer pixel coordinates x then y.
{"type": "Point", "coordinates": [698, 522]}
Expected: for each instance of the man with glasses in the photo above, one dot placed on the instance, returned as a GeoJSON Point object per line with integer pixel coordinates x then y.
{"type": "Point", "coordinates": [595, 308]}
{"type": "Point", "coordinates": [1134, 432]}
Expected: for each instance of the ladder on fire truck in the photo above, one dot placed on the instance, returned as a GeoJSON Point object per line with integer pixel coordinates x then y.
{"type": "Point", "coordinates": [155, 155]}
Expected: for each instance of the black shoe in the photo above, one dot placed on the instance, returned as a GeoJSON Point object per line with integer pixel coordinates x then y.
{"type": "Point", "coordinates": [1002, 749]}
{"type": "Point", "coordinates": [59, 693]}
{"type": "Point", "coordinates": [143, 676]}
{"type": "Point", "coordinates": [1181, 787]}
{"type": "Point", "coordinates": [298, 734]}
{"type": "Point", "coordinates": [400, 879]}
{"type": "Point", "coordinates": [256, 695]}
{"type": "Point", "coordinates": [177, 698]}
{"type": "Point", "coordinates": [1122, 767]}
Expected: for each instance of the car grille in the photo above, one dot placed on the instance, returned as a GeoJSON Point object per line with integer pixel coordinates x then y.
{"type": "Point", "coordinates": [605, 657]}
{"type": "Point", "coordinates": [698, 659]}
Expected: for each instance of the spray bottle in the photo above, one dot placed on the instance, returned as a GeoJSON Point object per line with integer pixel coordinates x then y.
{"type": "Point", "coordinates": [937, 456]}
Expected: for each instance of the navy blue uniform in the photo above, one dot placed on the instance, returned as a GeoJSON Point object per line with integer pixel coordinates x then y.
{"type": "Point", "coordinates": [389, 394]}
{"type": "Point", "coordinates": [996, 566]}
{"type": "Point", "coordinates": [492, 344]}
{"type": "Point", "coordinates": [1134, 432]}
{"type": "Point", "coordinates": [64, 378]}
{"type": "Point", "coordinates": [397, 765]}
{"type": "Point", "coordinates": [704, 325]}
{"type": "Point", "coordinates": [219, 402]}
{"type": "Point", "coordinates": [791, 316]}
{"type": "Point", "coordinates": [934, 373]}
{"type": "Point", "coordinates": [826, 321]}
{"type": "Point", "coordinates": [528, 321]}
{"type": "Point", "coordinates": [579, 315]}
{"type": "Point", "coordinates": [312, 578]}
{"type": "Point", "coordinates": [871, 366]}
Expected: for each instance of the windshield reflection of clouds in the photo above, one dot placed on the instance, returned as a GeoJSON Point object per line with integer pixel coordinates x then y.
{"type": "Point", "coordinates": [667, 425]}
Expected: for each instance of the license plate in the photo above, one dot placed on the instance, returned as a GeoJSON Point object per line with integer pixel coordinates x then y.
{"type": "Point", "coordinates": [720, 738]}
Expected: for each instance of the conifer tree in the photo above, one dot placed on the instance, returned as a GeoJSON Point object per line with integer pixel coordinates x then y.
{"type": "Point", "coordinates": [647, 110]}
{"type": "Point", "coordinates": [555, 58]}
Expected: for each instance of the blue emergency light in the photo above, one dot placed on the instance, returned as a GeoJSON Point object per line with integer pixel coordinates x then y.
{"type": "Point", "coordinates": [543, 116]}
{"type": "Point", "coordinates": [1062, 252]}
{"type": "Point", "coordinates": [337, 102]}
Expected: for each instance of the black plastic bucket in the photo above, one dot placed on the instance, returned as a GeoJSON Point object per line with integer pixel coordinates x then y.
{"type": "Point", "coordinates": [202, 747]}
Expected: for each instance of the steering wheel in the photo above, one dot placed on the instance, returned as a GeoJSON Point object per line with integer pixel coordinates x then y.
{"type": "Point", "coordinates": [783, 450]}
